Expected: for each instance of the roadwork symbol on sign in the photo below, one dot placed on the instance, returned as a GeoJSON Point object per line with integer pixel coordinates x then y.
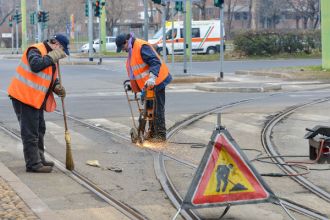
{"type": "Point", "coordinates": [225, 177]}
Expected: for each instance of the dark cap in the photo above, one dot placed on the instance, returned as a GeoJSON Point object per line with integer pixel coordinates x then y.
{"type": "Point", "coordinates": [120, 41]}
{"type": "Point", "coordinates": [64, 41]}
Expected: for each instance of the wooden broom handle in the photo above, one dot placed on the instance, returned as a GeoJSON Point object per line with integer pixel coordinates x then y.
{"type": "Point", "coordinates": [62, 98]}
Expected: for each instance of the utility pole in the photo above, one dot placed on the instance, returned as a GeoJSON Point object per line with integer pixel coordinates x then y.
{"type": "Point", "coordinates": [188, 29]}
{"type": "Point", "coordinates": [325, 29]}
{"type": "Point", "coordinates": [103, 28]}
{"type": "Point", "coordinates": [146, 20]}
{"type": "Point", "coordinates": [12, 33]}
{"type": "Point", "coordinates": [221, 41]}
{"type": "Point", "coordinates": [40, 30]}
{"type": "Point", "coordinates": [164, 32]}
{"type": "Point", "coordinates": [16, 19]}
{"type": "Point", "coordinates": [184, 37]}
{"type": "Point", "coordinates": [172, 16]}
{"type": "Point", "coordinates": [24, 34]}
{"type": "Point", "coordinates": [90, 30]}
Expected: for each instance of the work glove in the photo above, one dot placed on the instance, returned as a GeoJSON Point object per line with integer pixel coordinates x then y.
{"type": "Point", "coordinates": [59, 90]}
{"type": "Point", "coordinates": [150, 83]}
{"type": "Point", "coordinates": [56, 55]}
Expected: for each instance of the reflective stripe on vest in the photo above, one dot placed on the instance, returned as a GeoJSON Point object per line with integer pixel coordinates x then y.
{"type": "Point", "coordinates": [32, 88]}
{"type": "Point", "coordinates": [40, 74]}
{"type": "Point", "coordinates": [31, 84]}
{"type": "Point", "coordinates": [140, 68]}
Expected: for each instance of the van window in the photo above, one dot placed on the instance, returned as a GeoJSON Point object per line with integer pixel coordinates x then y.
{"type": "Point", "coordinates": [195, 32]}
{"type": "Point", "coordinates": [181, 33]}
{"type": "Point", "coordinates": [169, 34]}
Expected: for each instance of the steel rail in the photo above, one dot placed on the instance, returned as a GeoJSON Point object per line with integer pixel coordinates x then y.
{"type": "Point", "coordinates": [91, 186]}
{"type": "Point", "coordinates": [167, 185]}
{"type": "Point", "coordinates": [272, 150]}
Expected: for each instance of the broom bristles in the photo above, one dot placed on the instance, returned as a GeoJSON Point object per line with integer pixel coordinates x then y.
{"type": "Point", "coordinates": [68, 159]}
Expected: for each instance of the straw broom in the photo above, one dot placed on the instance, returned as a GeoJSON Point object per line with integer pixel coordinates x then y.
{"type": "Point", "coordinates": [68, 158]}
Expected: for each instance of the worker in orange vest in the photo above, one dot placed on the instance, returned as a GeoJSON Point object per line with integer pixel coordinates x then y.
{"type": "Point", "coordinates": [146, 69]}
{"type": "Point", "coordinates": [31, 91]}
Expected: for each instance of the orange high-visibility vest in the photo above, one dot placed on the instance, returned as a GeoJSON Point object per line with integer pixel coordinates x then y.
{"type": "Point", "coordinates": [140, 69]}
{"type": "Point", "coordinates": [31, 88]}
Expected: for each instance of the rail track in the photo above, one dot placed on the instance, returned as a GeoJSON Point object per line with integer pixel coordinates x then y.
{"type": "Point", "coordinates": [163, 176]}
{"type": "Point", "coordinates": [272, 151]}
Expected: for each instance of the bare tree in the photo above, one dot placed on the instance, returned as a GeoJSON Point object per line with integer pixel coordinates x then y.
{"type": "Point", "coordinates": [202, 7]}
{"type": "Point", "coordinates": [114, 14]}
{"type": "Point", "coordinates": [231, 9]}
{"type": "Point", "coordinates": [307, 10]}
{"type": "Point", "coordinates": [254, 14]}
{"type": "Point", "coordinates": [6, 9]}
{"type": "Point", "coordinates": [271, 12]}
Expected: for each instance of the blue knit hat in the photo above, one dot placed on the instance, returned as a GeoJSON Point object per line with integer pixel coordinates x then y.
{"type": "Point", "coordinates": [64, 41]}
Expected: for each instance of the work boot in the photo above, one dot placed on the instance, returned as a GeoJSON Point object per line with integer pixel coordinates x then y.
{"type": "Point", "coordinates": [48, 163]}
{"type": "Point", "coordinates": [42, 169]}
{"type": "Point", "coordinates": [44, 161]}
{"type": "Point", "coordinates": [158, 139]}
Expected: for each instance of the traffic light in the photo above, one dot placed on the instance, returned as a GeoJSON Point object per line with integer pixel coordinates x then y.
{"type": "Point", "coordinates": [18, 18]}
{"type": "Point", "coordinates": [32, 20]}
{"type": "Point", "coordinates": [86, 8]}
{"type": "Point", "coordinates": [45, 16]}
{"type": "Point", "coordinates": [10, 19]}
{"type": "Point", "coordinates": [157, 1]}
{"type": "Point", "coordinates": [218, 3]}
{"type": "Point", "coordinates": [97, 9]}
{"type": "Point", "coordinates": [179, 6]}
{"type": "Point", "coordinates": [39, 15]}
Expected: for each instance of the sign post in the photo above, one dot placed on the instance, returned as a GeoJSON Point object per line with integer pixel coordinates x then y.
{"type": "Point", "coordinates": [325, 29]}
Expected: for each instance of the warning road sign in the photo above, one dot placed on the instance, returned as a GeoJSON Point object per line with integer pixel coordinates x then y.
{"type": "Point", "coordinates": [225, 176]}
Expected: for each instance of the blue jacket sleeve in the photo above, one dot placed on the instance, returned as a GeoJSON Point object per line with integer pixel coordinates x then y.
{"type": "Point", "coordinates": [36, 61]}
{"type": "Point", "coordinates": [149, 57]}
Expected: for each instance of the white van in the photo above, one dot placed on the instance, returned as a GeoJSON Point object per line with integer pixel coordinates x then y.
{"type": "Point", "coordinates": [205, 37]}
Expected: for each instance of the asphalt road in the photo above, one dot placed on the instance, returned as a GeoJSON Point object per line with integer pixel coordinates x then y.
{"type": "Point", "coordinates": [95, 94]}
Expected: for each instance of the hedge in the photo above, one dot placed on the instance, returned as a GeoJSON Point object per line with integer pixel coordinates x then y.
{"type": "Point", "coordinates": [271, 43]}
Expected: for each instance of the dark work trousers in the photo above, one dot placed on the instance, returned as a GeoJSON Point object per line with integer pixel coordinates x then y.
{"type": "Point", "coordinates": [159, 123]}
{"type": "Point", "coordinates": [33, 128]}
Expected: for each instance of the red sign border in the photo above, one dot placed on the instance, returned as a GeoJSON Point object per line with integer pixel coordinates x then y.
{"type": "Point", "coordinates": [199, 199]}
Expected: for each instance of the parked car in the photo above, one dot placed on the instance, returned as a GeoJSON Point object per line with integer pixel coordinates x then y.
{"type": "Point", "coordinates": [110, 45]}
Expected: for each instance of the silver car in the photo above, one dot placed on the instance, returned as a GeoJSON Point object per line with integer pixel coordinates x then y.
{"type": "Point", "coordinates": [110, 45]}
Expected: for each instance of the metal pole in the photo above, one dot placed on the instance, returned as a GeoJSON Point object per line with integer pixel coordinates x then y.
{"type": "Point", "coordinates": [24, 34]}
{"type": "Point", "coordinates": [188, 28]}
{"type": "Point", "coordinates": [184, 38]}
{"type": "Point", "coordinates": [221, 42]}
{"type": "Point", "coordinates": [12, 38]}
{"type": "Point", "coordinates": [146, 20]}
{"type": "Point", "coordinates": [218, 120]}
{"type": "Point", "coordinates": [16, 27]}
{"type": "Point", "coordinates": [100, 43]}
{"type": "Point", "coordinates": [90, 30]}
{"type": "Point", "coordinates": [40, 34]}
{"type": "Point", "coordinates": [190, 36]}
{"type": "Point", "coordinates": [103, 29]}
{"type": "Point", "coordinates": [325, 22]}
{"type": "Point", "coordinates": [164, 33]}
{"type": "Point", "coordinates": [172, 14]}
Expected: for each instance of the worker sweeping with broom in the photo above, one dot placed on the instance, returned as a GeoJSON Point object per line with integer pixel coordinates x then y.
{"type": "Point", "coordinates": [146, 69]}
{"type": "Point", "coordinates": [31, 91]}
